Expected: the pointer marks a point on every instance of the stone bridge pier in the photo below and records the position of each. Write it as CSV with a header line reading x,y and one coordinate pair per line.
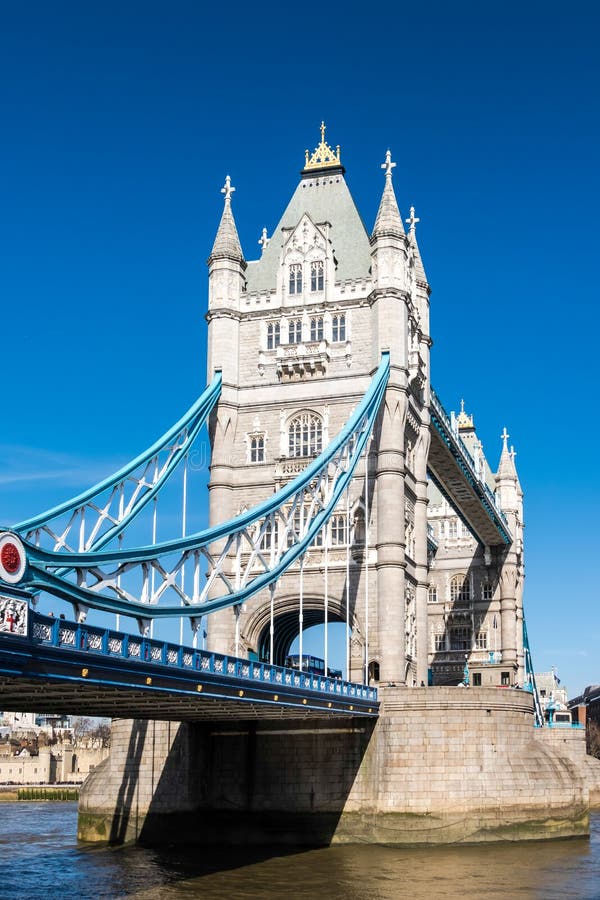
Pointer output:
x,y
440,765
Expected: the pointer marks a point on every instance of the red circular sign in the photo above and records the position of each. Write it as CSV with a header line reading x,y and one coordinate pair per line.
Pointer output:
x,y
10,557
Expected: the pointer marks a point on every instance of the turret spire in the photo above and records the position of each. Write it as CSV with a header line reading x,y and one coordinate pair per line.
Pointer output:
x,y
419,269
412,220
227,243
264,240
506,466
389,220
323,157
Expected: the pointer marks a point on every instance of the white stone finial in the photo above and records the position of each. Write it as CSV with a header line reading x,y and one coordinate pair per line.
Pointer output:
x,y
264,240
227,189
388,165
505,436
412,219
513,453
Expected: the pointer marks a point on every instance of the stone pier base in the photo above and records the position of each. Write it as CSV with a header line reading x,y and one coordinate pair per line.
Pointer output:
x,y
441,765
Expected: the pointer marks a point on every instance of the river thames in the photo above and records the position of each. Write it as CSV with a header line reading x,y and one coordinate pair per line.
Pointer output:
x,y
40,858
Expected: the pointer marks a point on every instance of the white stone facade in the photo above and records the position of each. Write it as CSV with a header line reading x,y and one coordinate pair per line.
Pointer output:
x,y
298,335
475,595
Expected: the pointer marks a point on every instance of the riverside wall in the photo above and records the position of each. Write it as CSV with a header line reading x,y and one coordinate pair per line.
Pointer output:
x,y
440,765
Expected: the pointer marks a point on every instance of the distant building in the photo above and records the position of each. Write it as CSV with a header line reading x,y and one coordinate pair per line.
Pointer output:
x,y
553,698
62,763
586,707
468,619
20,720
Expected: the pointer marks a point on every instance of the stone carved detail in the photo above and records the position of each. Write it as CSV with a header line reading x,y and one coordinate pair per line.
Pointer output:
x,y
410,621
94,641
412,421
13,616
66,636
42,632
356,648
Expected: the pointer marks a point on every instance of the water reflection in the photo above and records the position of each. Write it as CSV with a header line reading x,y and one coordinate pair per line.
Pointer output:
x,y
40,857
562,869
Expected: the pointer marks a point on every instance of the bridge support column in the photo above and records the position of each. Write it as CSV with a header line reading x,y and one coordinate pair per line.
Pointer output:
x,y
221,625
391,603
421,556
508,616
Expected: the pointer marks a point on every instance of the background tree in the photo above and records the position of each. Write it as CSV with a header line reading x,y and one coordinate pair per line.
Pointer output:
x,y
593,738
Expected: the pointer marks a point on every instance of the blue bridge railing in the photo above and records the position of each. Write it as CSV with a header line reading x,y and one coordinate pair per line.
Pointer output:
x,y
108,643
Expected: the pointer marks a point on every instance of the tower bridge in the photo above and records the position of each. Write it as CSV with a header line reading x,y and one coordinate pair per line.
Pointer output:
x,y
340,491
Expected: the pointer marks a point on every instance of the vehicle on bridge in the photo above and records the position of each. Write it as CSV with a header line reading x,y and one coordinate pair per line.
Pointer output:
x,y
312,664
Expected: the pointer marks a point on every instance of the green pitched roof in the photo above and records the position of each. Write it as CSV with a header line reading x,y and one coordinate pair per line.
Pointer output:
x,y
325,198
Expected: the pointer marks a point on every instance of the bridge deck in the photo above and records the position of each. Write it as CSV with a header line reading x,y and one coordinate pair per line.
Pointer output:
x,y
63,667
452,469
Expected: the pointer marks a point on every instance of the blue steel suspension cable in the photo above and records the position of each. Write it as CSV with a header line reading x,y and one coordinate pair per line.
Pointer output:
x,y
352,437
190,425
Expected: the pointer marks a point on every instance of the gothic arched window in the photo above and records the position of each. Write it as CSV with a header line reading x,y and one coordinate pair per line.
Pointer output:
x,y
295,286
359,526
273,335
305,435
460,589
338,328
316,328
316,275
269,536
373,671
295,331
338,529
432,593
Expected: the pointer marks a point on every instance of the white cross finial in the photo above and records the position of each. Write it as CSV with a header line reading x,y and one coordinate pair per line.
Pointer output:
x,y
227,190
513,452
462,403
388,165
505,436
264,240
412,219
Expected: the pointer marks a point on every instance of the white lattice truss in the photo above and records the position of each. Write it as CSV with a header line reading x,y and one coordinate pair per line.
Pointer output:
x,y
219,567
94,518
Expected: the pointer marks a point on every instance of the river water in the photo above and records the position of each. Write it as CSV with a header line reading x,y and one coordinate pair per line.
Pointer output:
x,y
40,859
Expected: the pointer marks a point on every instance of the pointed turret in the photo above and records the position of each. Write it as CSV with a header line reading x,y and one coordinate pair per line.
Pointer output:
x,y
419,269
227,243
506,466
508,489
389,220
226,282
389,250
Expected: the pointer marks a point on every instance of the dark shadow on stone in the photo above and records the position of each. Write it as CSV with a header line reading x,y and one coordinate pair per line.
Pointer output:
x,y
447,665
270,783
125,797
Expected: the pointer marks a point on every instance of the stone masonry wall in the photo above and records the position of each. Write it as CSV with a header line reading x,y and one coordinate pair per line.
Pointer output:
x,y
571,742
440,765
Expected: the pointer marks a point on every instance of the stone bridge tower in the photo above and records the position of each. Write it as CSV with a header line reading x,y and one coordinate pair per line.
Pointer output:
x,y
298,335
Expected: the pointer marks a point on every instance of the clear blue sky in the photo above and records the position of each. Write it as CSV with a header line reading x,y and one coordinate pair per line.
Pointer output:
x,y
119,124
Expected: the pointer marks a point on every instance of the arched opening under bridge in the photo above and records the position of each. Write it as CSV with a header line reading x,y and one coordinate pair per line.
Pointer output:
x,y
286,630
